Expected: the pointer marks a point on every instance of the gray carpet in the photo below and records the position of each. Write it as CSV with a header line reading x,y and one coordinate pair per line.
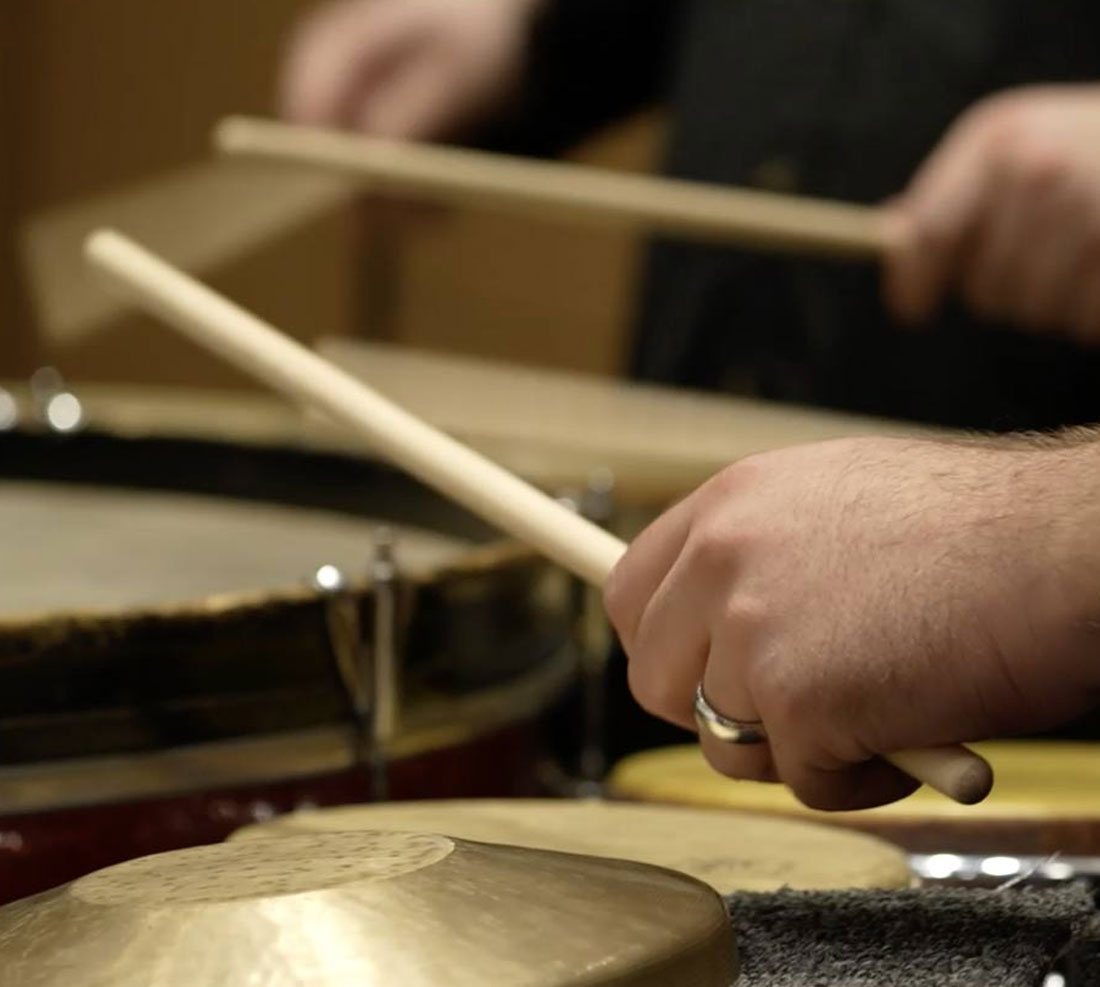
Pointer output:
x,y
940,937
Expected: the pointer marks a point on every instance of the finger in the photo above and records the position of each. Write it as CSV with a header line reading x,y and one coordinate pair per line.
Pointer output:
x,y
992,274
931,222
844,789
414,104
673,638
643,568
1048,283
726,687
339,58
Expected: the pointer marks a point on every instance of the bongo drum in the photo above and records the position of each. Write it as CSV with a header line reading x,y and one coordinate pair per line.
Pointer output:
x,y
1046,799
371,910
169,670
730,851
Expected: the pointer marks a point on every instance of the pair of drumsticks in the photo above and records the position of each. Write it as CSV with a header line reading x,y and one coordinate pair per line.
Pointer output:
x,y
458,472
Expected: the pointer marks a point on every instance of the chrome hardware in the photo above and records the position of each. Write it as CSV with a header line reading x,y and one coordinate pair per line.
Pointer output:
x,y
54,404
1003,870
386,674
9,411
346,641
369,672
591,639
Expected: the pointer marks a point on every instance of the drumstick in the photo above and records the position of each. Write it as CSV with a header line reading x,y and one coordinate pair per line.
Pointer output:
x,y
483,487
710,212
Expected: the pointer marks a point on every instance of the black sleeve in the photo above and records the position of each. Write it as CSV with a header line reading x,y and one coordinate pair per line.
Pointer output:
x,y
590,61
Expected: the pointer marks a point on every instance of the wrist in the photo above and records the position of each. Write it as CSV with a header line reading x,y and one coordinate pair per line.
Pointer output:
x,y
1066,513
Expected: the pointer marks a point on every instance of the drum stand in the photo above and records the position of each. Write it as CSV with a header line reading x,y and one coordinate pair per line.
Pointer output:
x,y
369,673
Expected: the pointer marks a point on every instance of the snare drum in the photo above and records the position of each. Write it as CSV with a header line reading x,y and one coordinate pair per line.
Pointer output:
x,y
1046,799
169,670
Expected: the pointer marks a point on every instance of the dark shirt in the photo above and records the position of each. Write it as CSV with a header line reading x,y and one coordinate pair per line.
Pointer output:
x,y
834,98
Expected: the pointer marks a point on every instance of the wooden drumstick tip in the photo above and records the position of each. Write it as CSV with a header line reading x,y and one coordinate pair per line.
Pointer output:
x,y
956,772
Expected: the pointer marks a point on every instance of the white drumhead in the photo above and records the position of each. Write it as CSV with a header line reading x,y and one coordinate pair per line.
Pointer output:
x,y
87,549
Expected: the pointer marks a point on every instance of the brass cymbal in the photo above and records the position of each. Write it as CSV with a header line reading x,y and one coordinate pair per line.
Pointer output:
x,y
730,851
368,909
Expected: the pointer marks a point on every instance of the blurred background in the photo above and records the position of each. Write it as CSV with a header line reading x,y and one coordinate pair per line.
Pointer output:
x,y
106,110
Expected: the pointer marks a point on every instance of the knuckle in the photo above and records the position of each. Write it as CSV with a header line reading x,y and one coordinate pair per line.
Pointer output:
x,y
934,235
1041,165
732,480
1001,118
747,615
653,687
790,699
710,549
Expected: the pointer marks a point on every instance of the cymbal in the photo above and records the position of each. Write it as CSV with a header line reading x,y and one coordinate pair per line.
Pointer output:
x,y
557,428
730,851
369,909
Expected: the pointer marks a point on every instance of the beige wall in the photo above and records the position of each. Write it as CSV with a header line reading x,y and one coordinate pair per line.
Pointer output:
x,y
557,294
104,94
114,92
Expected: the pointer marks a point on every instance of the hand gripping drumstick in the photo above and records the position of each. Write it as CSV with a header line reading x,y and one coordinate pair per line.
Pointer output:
x,y
483,487
764,220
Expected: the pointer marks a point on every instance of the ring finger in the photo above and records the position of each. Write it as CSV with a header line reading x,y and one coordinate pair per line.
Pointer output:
x,y
726,690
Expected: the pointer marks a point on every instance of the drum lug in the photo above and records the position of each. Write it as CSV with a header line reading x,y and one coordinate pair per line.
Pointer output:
x,y
369,670
591,636
384,664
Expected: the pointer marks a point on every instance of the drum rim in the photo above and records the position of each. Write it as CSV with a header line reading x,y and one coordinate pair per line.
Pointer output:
x,y
429,725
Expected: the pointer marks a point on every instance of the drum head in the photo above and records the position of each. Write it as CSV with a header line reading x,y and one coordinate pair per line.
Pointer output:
x,y
99,550
1034,780
729,851
1046,798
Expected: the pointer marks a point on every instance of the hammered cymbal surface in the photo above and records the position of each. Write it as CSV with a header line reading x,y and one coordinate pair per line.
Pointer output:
x,y
367,909
730,851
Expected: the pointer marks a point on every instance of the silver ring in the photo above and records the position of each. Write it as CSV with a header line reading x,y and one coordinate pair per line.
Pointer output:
x,y
722,727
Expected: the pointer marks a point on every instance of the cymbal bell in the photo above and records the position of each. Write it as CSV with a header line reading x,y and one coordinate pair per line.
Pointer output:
x,y
368,909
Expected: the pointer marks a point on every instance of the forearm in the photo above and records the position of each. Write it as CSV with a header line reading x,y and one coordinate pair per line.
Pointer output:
x,y
1069,480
